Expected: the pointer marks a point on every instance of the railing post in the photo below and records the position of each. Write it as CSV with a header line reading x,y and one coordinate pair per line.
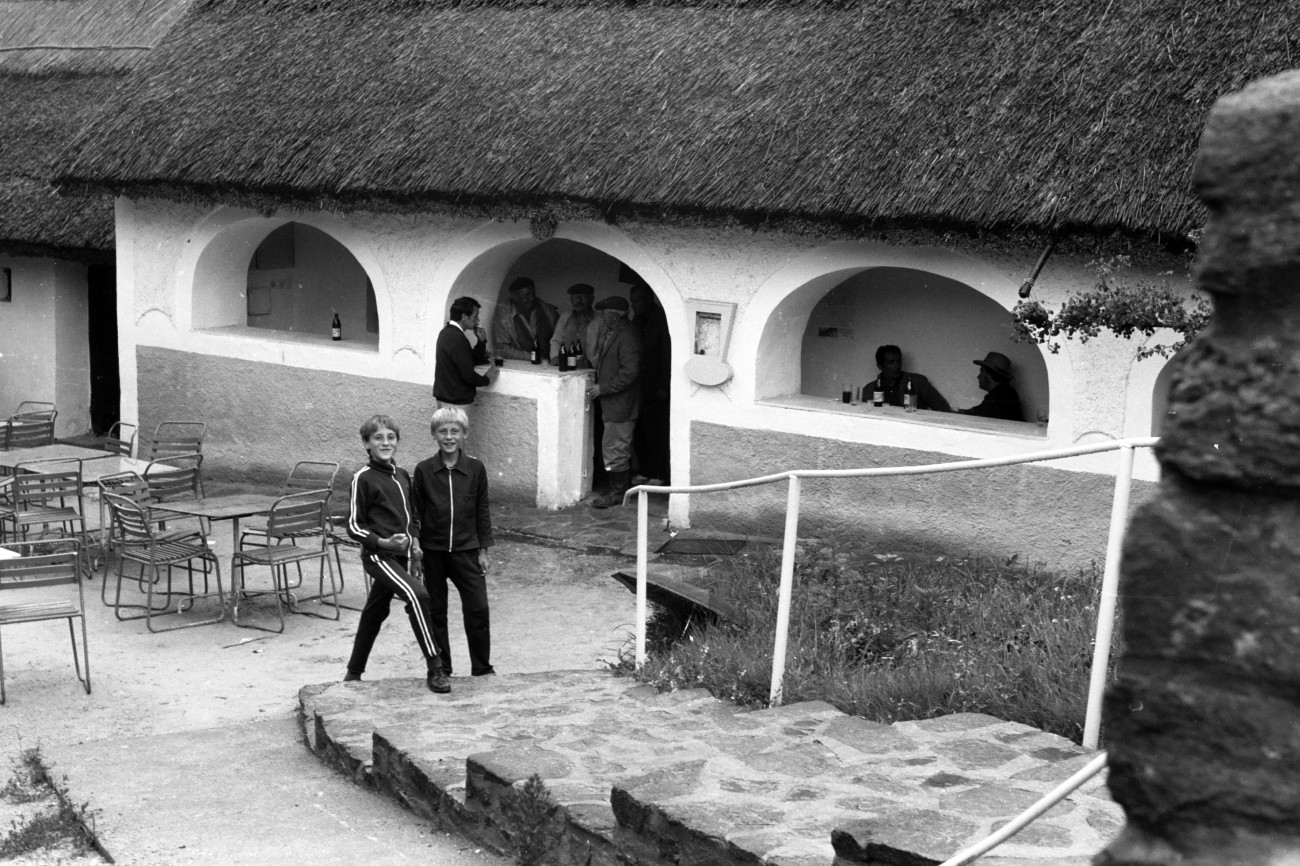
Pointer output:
x,y
787,584
1109,597
642,557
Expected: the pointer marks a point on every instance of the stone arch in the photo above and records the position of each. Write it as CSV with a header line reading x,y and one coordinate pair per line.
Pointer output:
x,y
769,342
212,276
478,264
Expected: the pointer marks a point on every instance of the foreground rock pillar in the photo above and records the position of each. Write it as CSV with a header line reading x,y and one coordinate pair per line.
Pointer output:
x,y
1203,722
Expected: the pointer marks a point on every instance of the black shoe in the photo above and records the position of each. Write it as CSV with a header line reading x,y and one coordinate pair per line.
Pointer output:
x,y
438,682
351,677
487,673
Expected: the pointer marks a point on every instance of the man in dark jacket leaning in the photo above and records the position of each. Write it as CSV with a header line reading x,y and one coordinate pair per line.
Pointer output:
x,y
616,357
455,380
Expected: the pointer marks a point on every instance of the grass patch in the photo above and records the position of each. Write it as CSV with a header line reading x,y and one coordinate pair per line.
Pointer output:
x,y
60,825
893,638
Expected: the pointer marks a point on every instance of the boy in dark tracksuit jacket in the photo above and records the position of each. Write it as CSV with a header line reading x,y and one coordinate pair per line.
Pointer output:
x,y
380,517
450,494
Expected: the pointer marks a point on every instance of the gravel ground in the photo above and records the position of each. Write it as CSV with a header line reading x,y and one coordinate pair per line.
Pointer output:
x,y
552,609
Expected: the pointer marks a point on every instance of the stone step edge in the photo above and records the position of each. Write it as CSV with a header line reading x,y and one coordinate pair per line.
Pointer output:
x,y
490,809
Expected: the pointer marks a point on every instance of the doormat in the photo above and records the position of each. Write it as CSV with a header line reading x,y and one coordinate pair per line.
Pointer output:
x,y
703,546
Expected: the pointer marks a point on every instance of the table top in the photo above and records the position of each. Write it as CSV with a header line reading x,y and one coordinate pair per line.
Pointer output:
x,y
57,451
222,507
93,469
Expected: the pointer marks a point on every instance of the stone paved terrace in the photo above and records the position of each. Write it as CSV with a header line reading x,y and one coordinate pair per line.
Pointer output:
x,y
684,778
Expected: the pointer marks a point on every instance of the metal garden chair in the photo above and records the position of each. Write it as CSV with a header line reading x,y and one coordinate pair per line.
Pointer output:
x,y
28,431
45,572
47,499
137,540
173,438
121,439
296,532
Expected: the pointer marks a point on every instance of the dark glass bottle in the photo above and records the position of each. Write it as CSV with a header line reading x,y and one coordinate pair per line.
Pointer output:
x,y
336,327
564,356
535,356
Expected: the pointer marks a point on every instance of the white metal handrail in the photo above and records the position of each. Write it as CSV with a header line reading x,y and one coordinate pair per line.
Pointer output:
x,y
1110,575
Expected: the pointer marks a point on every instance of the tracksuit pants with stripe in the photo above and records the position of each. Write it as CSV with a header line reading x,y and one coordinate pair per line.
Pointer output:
x,y
388,579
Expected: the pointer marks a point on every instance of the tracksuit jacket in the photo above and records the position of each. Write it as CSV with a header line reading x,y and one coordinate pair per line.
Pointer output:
x,y
452,504
380,505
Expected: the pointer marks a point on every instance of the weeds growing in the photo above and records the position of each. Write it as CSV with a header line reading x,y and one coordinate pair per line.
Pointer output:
x,y
61,826
894,638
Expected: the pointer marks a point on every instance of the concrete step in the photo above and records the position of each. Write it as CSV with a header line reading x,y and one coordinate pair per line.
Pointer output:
x,y
682,777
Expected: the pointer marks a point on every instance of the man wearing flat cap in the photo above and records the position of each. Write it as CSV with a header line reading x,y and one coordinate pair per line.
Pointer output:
x,y
616,357
523,322
1002,400
572,325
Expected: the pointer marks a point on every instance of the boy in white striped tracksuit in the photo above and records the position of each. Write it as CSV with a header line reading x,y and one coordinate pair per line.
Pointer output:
x,y
380,517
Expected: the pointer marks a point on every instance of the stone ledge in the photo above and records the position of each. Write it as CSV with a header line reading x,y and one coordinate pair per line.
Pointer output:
x,y
645,778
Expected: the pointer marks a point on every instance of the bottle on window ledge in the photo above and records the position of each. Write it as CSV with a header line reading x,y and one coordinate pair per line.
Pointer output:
x,y
564,356
573,355
909,397
878,395
535,356
336,327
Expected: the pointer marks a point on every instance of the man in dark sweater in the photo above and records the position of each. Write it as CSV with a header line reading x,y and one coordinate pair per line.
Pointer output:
x,y
455,380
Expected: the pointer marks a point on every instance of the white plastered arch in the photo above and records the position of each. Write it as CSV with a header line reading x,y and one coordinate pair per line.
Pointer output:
x,y
211,276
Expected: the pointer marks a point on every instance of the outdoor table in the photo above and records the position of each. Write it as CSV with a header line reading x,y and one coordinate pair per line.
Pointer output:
x,y
100,466
57,451
232,507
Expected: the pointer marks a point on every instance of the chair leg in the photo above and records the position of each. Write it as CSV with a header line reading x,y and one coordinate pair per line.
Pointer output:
x,y
237,590
320,596
76,659
188,602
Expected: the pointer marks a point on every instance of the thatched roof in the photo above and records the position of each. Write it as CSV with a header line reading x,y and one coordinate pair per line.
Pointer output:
x,y
60,62
1032,114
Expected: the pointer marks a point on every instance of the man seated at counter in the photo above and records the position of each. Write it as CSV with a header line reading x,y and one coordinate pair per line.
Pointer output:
x,y
1002,400
523,323
896,383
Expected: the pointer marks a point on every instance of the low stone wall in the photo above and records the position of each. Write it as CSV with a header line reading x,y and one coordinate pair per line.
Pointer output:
x,y
1043,515
262,418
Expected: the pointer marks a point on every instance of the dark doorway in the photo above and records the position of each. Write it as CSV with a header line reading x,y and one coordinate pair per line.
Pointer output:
x,y
105,384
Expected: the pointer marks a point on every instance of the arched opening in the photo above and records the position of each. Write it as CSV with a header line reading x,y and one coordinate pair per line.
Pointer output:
x,y
555,265
301,280
941,324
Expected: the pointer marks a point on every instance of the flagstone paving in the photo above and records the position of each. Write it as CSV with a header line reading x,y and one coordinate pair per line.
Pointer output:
x,y
685,778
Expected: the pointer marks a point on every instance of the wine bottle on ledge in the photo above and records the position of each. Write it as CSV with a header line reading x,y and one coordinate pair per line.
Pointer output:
x,y
336,327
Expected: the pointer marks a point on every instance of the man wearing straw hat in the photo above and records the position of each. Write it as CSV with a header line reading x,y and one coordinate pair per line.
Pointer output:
x,y
1002,400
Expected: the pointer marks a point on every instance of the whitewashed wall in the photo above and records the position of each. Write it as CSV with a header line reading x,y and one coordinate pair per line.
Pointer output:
x,y
44,353
182,271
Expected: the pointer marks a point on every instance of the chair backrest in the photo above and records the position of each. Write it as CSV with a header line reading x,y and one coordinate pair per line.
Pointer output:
x,y
312,475
298,514
177,437
126,484
175,477
132,521
50,562
36,407
29,431
121,439
61,488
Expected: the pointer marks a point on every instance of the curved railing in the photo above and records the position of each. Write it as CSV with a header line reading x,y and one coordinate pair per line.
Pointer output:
x,y
1110,575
